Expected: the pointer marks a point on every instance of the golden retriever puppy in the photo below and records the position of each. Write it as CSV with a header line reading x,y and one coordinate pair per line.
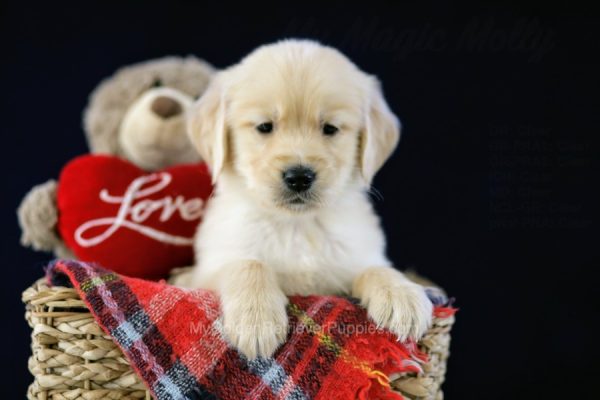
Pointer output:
x,y
293,135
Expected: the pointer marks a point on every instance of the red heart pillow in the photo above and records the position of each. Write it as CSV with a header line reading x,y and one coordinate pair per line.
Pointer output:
x,y
136,223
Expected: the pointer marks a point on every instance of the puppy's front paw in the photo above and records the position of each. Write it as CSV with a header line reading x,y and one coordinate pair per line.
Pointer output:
x,y
258,325
398,305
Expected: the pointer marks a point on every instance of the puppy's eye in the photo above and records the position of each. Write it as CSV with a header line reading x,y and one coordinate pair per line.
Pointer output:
x,y
157,83
329,129
265,127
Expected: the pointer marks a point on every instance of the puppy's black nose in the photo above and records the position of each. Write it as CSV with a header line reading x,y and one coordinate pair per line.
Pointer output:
x,y
299,178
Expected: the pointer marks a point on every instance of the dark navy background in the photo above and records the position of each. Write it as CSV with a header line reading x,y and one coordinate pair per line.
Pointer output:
x,y
490,193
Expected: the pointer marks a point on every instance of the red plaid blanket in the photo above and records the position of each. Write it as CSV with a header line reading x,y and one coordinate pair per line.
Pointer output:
x,y
171,337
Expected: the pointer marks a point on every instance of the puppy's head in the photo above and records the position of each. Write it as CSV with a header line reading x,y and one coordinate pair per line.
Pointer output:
x,y
297,123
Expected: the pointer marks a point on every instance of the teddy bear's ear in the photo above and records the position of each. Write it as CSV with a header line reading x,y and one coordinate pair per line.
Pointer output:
x,y
207,127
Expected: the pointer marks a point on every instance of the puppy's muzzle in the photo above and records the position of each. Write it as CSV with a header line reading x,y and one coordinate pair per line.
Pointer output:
x,y
299,178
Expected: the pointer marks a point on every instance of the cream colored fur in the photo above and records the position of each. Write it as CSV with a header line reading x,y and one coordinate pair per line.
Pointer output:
x,y
254,246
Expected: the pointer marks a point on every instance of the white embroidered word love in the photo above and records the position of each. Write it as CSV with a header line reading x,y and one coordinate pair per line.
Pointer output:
x,y
132,214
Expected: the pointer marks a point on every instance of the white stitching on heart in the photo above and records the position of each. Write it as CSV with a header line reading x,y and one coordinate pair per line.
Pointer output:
x,y
189,210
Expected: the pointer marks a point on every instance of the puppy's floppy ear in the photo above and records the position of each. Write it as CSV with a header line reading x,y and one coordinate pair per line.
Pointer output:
x,y
207,127
380,133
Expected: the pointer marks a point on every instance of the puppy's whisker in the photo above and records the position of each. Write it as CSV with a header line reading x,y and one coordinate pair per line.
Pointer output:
x,y
375,193
316,198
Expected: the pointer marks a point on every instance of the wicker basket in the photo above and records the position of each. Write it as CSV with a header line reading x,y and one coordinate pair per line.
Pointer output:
x,y
72,358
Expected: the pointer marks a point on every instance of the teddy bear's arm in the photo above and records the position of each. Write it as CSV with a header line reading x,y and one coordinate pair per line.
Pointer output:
x,y
38,216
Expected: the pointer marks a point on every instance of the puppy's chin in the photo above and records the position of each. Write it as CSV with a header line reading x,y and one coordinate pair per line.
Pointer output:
x,y
298,202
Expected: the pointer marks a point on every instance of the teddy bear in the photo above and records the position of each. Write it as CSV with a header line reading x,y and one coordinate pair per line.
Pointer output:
x,y
137,114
